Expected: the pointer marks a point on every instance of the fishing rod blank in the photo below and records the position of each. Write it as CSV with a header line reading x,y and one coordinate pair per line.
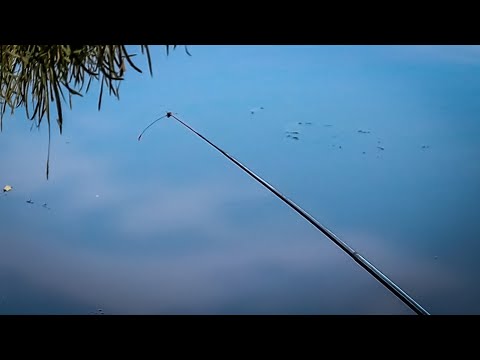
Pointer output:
x,y
358,258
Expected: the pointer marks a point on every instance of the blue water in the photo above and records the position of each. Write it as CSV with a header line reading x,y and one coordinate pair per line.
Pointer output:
x,y
168,225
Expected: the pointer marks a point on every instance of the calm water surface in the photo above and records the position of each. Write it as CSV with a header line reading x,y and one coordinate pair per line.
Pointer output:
x,y
379,143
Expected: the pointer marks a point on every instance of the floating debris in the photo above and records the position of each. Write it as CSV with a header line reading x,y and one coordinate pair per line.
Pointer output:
x,y
292,132
45,206
294,137
363,132
308,123
97,312
7,188
328,125
339,146
425,146
363,152
254,110
30,201
300,123
381,148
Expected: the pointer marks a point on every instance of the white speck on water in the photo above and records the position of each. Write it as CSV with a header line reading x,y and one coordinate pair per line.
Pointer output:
x,y
97,196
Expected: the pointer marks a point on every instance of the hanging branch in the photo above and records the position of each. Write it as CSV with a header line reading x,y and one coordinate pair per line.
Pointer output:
x,y
33,76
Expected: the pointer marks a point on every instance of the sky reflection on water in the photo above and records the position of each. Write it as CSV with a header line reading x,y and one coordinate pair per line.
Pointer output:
x,y
167,225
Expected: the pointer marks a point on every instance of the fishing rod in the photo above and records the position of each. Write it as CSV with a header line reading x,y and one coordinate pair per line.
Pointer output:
x,y
357,257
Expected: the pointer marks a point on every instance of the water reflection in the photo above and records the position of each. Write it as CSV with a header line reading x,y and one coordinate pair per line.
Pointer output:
x,y
215,244
384,158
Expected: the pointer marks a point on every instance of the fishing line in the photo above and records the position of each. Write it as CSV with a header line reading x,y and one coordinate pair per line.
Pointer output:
x,y
357,257
153,122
